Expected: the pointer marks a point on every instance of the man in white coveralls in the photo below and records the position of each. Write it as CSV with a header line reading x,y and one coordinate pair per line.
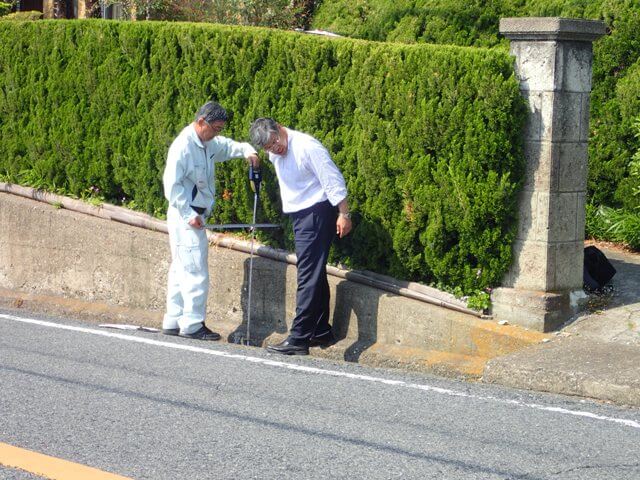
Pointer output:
x,y
189,186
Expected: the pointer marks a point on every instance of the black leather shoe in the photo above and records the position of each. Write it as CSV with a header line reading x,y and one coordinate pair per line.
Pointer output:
x,y
285,348
202,334
324,341
171,331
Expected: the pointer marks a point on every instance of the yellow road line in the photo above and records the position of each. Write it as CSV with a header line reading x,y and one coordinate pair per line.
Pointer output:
x,y
50,467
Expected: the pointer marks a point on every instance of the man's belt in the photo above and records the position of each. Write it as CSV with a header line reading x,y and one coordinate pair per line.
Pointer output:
x,y
199,210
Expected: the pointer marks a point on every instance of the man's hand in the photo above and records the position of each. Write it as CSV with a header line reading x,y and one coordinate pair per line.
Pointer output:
x,y
343,226
196,222
254,160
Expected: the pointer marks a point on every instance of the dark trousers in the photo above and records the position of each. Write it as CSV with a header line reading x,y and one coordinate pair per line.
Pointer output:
x,y
314,229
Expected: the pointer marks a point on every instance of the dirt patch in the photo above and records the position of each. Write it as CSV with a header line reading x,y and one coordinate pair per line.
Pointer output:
x,y
618,247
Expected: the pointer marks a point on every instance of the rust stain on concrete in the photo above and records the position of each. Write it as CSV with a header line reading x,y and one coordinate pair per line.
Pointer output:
x,y
492,340
433,360
85,310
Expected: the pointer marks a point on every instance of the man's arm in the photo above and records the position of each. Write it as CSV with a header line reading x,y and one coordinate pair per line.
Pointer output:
x,y
228,149
318,160
333,184
343,223
172,181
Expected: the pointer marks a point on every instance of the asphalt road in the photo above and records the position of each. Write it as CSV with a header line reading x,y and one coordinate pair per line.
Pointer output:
x,y
147,406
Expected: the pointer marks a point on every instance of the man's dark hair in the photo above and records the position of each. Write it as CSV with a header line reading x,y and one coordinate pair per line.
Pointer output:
x,y
212,112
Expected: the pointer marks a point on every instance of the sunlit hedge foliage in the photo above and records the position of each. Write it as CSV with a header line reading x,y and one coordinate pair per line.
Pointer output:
x,y
428,137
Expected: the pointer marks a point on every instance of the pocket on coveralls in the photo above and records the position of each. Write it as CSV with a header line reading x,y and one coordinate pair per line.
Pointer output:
x,y
189,245
200,174
190,258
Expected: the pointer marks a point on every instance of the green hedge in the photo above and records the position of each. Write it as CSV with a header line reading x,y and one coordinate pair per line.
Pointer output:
x,y
4,8
620,225
456,22
428,137
30,15
616,78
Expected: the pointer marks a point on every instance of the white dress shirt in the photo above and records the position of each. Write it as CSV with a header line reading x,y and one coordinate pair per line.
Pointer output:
x,y
190,163
306,174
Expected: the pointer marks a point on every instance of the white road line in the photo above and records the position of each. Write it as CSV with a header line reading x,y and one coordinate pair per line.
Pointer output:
x,y
321,371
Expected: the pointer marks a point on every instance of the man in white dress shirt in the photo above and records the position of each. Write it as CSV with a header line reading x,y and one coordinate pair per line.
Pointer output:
x,y
314,194
189,186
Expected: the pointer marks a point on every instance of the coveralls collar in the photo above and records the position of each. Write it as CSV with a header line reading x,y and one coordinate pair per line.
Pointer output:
x,y
194,136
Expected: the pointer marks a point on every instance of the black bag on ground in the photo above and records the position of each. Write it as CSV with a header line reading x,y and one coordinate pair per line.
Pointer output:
x,y
598,271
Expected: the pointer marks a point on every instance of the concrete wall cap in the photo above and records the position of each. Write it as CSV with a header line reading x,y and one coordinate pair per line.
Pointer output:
x,y
552,28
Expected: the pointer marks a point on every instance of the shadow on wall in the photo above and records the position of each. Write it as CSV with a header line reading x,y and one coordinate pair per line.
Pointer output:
x,y
268,301
355,313
353,300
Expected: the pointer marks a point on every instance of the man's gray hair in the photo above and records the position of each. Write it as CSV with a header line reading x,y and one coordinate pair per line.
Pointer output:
x,y
212,112
261,131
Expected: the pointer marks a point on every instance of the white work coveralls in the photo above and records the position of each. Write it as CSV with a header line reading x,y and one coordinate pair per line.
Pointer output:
x,y
189,180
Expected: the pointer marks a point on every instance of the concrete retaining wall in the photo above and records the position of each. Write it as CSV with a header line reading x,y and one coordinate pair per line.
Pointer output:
x,y
54,259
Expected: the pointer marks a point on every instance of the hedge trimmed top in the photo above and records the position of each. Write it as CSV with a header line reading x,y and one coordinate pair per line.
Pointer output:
x,y
428,137
615,100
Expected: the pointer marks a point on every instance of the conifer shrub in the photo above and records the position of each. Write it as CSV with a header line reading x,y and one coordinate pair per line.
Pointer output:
x,y
616,86
455,22
428,138
30,15
4,8
620,224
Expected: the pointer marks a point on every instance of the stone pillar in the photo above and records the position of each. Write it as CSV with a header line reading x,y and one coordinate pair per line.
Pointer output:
x,y
47,9
82,9
553,62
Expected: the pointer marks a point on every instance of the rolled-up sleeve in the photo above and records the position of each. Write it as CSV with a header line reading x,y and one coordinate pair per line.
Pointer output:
x,y
328,174
226,149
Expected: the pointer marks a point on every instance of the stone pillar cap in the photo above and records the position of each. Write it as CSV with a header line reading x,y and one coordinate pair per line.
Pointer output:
x,y
552,28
